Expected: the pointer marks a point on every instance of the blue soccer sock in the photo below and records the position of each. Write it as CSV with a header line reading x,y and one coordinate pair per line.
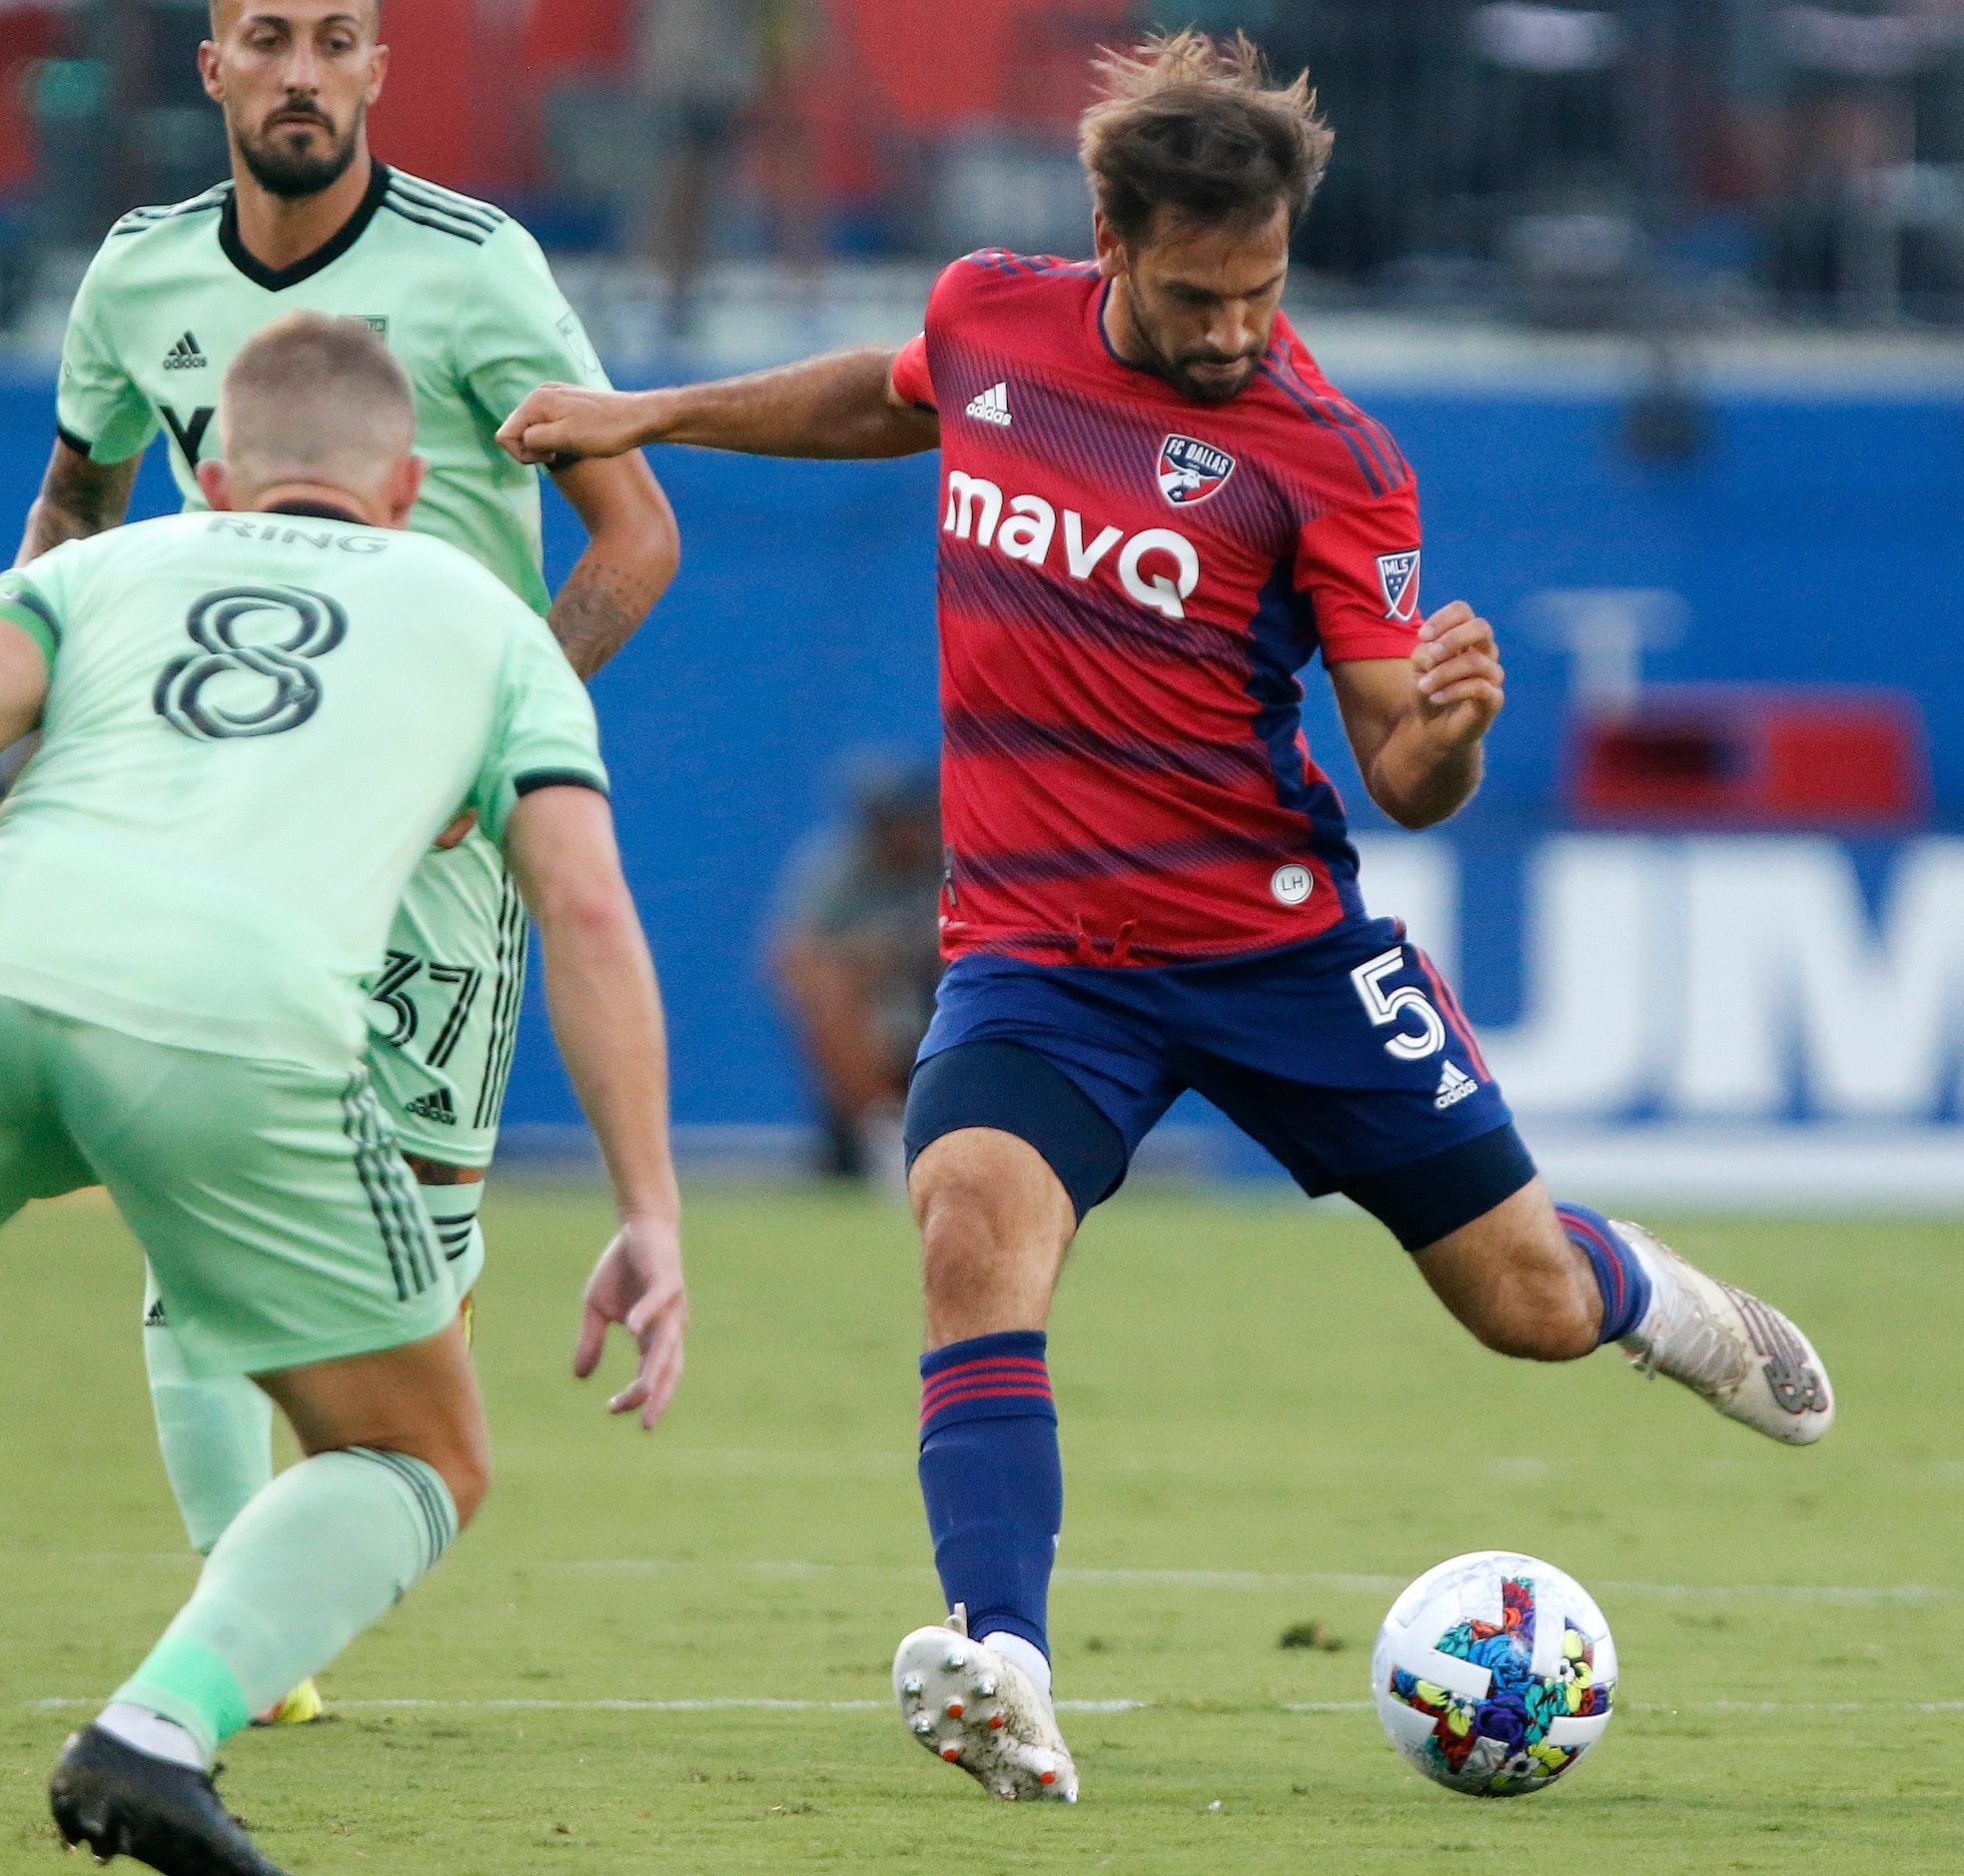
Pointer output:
x,y
1624,1282
992,1481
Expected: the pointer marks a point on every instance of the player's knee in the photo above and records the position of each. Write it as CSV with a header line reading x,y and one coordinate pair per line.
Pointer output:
x,y
995,1225
969,1192
960,1238
460,1454
467,1470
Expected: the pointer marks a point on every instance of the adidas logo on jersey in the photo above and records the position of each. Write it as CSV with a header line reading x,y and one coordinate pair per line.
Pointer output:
x,y
992,407
185,356
157,1318
435,1106
1454,1085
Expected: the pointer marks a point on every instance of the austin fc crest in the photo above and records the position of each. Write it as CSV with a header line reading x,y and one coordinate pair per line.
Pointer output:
x,y
1190,471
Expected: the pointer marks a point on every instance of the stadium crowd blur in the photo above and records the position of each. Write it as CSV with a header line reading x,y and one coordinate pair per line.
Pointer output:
x,y
853,947
1736,158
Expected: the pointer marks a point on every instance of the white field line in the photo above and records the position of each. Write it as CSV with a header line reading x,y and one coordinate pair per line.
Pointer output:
x,y
630,1706
1063,1706
1336,1582
1347,1584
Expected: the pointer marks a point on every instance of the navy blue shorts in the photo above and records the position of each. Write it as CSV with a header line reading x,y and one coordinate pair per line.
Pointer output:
x,y
1347,1058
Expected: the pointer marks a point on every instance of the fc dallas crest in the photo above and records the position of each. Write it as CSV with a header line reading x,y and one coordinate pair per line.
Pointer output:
x,y
1190,471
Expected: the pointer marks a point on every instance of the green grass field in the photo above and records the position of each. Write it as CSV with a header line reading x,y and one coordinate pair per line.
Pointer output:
x,y
1265,1422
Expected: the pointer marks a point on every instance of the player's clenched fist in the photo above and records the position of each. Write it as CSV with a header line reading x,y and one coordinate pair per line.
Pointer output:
x,y
563,422
1461,683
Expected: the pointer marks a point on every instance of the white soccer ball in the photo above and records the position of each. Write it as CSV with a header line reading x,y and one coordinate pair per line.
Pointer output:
x,y
1494,1673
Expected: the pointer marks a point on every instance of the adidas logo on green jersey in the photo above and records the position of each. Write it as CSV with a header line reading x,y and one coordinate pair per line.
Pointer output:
x,y
185,356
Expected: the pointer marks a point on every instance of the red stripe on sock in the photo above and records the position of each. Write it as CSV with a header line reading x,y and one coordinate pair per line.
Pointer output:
x,y
931,1411
967,1374
1611,1252
1025,1362
935,1399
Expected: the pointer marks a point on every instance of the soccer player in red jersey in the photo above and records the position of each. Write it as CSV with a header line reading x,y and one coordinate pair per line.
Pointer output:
x,y
1155,511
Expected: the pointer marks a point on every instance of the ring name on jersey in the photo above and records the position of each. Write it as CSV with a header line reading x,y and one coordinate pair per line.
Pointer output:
x,y
289,533
1157,566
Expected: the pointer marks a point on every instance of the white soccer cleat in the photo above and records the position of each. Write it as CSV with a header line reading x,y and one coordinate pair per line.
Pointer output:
x,y
1732,1349
967,1704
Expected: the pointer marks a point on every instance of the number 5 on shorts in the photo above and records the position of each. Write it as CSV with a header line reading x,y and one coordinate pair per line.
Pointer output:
x,y
1385,1007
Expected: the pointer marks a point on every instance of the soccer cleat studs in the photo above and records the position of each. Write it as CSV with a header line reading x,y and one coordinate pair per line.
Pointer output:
x,y
973,1708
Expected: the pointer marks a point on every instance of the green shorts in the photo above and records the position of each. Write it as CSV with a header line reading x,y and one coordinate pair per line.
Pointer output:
x,y
280,1222
444,1016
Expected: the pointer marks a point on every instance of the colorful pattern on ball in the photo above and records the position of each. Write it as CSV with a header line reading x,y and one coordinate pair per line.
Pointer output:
x,y
1514,1716
1523,1729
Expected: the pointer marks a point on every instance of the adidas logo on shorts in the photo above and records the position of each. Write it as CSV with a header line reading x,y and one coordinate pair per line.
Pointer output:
x,y
436,1107
1454,1085
992,407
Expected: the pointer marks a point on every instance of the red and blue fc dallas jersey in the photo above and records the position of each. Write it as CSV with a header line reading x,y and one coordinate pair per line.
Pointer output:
x,y
1129,582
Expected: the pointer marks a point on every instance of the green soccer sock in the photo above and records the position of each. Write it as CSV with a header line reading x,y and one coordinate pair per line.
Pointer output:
x,y
216,1436
453,1216
322,1553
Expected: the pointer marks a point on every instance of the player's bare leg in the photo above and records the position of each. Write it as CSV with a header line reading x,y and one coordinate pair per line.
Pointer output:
x,y
305,1706
996,1225
397,1463
1514,1280
420,1402
1533,1281
215,1434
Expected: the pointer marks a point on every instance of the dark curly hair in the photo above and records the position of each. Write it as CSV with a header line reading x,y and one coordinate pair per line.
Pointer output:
x,y
1199,128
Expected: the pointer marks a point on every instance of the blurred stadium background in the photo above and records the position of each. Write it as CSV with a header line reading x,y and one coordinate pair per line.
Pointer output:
x,y
1664,299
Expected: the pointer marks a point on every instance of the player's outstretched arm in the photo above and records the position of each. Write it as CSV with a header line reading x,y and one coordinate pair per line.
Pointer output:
x,y
1418,725
78,497
606,1014
841,406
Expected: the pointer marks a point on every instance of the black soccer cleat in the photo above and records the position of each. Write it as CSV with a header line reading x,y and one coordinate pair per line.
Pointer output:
x,y
118,1801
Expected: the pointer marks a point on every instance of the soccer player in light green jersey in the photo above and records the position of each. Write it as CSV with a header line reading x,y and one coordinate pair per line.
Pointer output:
x,y
255,722
464,298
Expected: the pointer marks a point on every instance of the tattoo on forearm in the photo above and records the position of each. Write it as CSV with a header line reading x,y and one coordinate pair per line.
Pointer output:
x,y
597,612
78,498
